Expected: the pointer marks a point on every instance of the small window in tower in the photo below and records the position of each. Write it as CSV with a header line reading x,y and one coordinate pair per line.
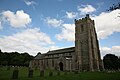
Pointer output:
x,y
35,64
82,28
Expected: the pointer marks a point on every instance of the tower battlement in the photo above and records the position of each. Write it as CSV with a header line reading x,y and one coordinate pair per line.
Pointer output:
x,y
84,19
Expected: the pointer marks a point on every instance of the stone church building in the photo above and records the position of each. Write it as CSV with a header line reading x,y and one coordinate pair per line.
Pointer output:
x,y
85,56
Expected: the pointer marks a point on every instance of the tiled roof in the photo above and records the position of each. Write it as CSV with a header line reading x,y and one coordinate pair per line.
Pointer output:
x,y
39,56
59,51
65,50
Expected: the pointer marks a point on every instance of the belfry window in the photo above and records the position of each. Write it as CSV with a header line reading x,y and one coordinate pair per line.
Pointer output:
x,y
47,62
82,28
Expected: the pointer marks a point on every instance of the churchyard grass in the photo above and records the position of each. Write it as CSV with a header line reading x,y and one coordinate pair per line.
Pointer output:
x,y
23,75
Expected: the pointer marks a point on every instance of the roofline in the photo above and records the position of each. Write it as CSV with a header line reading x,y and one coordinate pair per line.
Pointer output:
x,y
62,49
48,53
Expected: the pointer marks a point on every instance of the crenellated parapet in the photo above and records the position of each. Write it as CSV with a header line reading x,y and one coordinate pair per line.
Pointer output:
x,y
87,18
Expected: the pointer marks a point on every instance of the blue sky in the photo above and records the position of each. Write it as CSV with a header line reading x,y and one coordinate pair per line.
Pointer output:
x,y
41,25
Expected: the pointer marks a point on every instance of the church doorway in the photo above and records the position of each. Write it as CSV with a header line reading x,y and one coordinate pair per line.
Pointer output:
x,y
61,66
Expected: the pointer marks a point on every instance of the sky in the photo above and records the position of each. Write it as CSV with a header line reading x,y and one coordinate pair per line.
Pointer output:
x,y
34,26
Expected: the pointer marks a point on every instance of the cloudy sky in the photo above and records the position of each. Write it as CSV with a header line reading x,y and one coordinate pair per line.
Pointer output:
x,y
41,25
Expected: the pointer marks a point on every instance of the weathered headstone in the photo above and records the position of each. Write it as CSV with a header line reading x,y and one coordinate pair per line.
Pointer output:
x,y
50,73
41,73
30,74
15,73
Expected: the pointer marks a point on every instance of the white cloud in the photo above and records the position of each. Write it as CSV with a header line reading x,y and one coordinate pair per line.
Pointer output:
x,y
68,33
1,21
18,19
30,40
53,22
113,50
53,48
107,23
71,15
85,9
30,3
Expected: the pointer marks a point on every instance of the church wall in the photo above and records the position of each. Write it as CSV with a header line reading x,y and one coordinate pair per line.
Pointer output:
x,y
52,61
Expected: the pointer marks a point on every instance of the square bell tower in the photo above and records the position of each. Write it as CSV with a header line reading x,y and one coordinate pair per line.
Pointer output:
x,y
87,54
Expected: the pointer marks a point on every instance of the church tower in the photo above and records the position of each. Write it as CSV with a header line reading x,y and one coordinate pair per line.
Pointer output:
x,y
87,54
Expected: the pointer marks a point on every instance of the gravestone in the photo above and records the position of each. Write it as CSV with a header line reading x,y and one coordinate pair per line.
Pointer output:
x,y
41,73
15,73
30,74
50,73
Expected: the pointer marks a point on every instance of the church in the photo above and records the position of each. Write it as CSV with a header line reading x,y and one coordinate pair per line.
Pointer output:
x,y
85,56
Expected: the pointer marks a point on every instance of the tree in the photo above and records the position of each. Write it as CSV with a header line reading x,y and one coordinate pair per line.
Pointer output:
x,y
114,7
119,62
111,62
0,51
15,59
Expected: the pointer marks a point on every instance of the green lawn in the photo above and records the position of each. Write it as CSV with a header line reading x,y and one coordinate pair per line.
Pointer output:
x,y
23,75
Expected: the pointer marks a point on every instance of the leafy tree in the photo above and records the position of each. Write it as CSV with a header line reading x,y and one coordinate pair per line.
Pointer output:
x,y
111,62
119,62
15,59
114,7
0,51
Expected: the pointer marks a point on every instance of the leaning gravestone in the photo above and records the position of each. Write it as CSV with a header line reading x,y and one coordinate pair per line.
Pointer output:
x,y
41,73
15,73
30,74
